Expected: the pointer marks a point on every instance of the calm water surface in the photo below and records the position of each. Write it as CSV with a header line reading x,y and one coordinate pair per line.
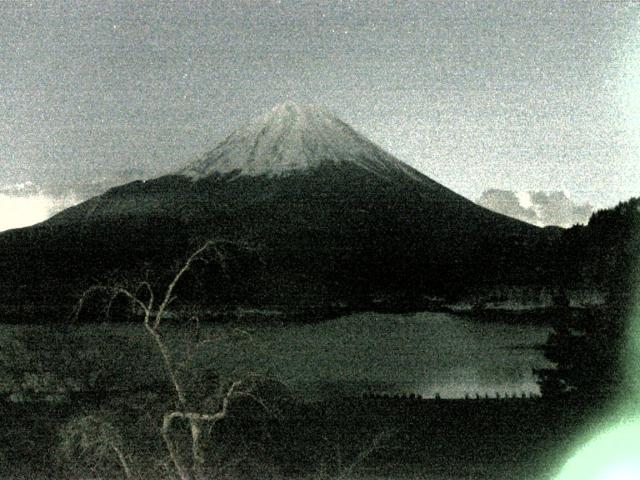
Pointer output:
x,y
424,353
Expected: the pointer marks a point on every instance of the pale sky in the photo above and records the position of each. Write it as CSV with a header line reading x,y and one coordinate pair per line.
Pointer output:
x,y
519,96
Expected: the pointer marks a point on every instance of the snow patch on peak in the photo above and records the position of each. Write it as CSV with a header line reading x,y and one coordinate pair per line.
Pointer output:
x,y
289,109
293,137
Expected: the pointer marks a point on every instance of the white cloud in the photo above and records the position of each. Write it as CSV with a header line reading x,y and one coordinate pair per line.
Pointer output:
x,y
537,207
525,199
26,203
19,210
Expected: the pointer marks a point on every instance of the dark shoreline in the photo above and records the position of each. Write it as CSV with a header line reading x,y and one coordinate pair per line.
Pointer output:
x,y
539,316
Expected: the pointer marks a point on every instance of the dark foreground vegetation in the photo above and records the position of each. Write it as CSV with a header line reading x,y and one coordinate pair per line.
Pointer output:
x,y
369,437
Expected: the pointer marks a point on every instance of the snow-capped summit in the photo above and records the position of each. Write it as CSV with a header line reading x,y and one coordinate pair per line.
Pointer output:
x,y
292,137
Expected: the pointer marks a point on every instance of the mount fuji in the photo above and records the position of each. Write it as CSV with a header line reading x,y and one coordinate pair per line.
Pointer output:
x,y
293,138
336,221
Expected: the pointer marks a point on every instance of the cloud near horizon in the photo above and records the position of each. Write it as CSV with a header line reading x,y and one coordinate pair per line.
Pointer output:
x,y
537,207
27,203
24,207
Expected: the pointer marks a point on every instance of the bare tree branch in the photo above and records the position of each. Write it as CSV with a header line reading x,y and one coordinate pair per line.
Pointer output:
x,y
195,423
168,297
152,322
374,445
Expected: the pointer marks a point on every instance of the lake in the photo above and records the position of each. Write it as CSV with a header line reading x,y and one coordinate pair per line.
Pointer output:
x,y
424,353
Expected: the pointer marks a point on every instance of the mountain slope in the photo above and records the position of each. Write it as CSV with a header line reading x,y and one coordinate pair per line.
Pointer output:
x,y
336,220
293,138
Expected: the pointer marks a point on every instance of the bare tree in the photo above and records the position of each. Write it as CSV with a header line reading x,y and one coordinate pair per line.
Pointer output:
x,y
154,309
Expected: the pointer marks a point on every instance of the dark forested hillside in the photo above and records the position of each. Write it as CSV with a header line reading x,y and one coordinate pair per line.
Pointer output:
x,y
605,253
588,351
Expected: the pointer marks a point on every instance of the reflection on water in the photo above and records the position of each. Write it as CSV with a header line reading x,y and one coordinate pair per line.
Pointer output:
x,y
424,353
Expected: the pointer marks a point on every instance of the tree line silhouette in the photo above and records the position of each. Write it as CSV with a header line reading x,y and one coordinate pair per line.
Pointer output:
x,y
587,349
